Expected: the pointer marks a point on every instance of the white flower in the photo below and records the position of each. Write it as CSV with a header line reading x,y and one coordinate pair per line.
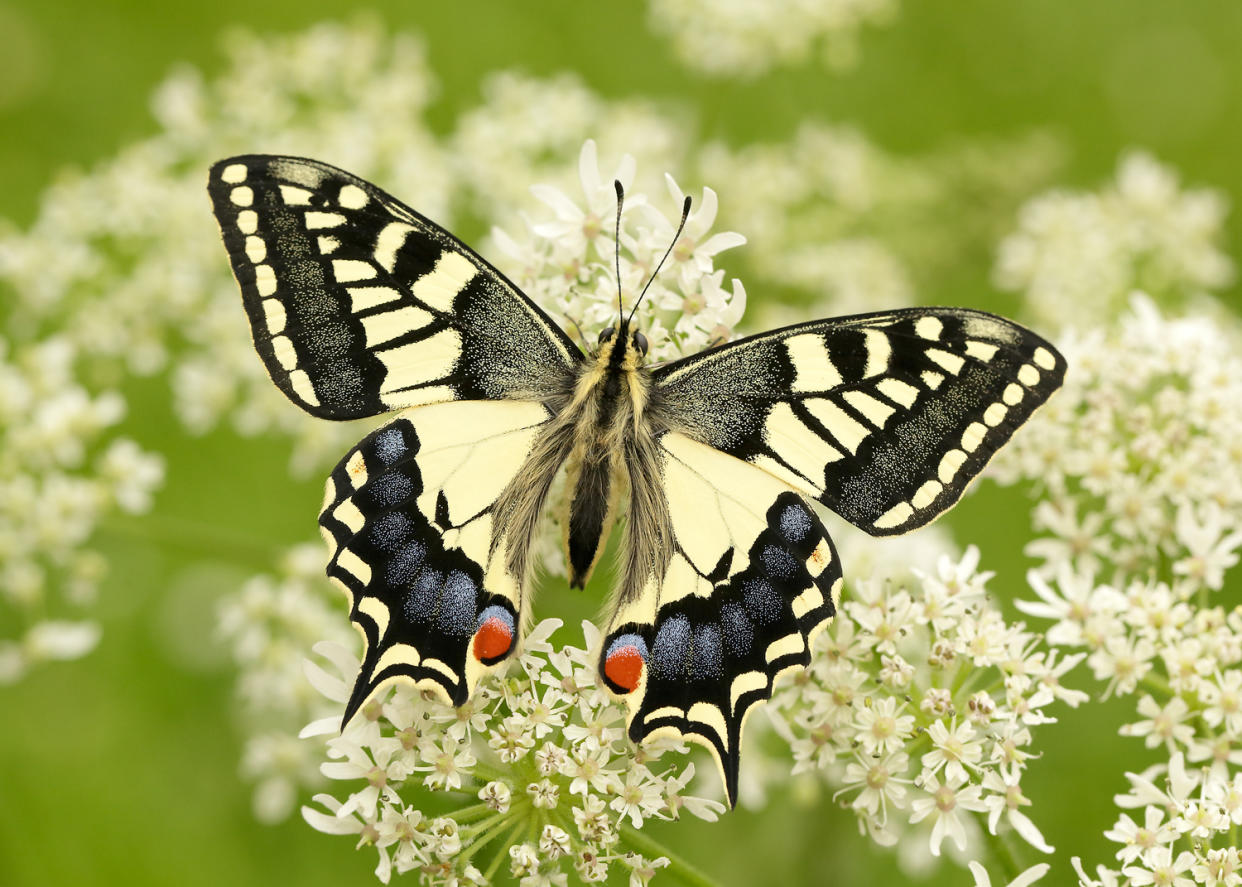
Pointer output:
x,y
1162,724
1078,255
946,803
1136,839
746,38
954,747
1161,868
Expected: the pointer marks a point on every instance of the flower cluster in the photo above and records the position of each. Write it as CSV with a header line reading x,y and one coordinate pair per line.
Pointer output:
x,y
529,130
1076,256
1139,457
831,214
568,262
745,38
1139,465
270,625
919,707
61,476
535,771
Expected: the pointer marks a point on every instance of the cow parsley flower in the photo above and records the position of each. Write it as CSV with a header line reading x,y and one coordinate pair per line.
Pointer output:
x,y
269,625
63,475
745,38
831,214
577,783
1079,254
939,741
1140,529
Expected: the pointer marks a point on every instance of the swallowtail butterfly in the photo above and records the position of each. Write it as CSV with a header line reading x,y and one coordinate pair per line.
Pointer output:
x,y
360,306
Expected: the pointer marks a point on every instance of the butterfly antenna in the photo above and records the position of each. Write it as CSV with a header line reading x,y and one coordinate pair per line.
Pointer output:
x,y
620,203
685,214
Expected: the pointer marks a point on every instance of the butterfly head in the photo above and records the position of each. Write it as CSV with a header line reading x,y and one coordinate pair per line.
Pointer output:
x,y
623,347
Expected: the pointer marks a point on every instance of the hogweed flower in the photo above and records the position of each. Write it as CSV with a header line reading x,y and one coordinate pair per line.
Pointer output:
x,y
1141,525
919,707
62,477
540,752
1076,256
269,625
829,212
743,38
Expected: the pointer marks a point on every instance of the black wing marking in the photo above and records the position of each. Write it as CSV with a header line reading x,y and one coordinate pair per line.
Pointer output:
x,y
410,517
752,578
885,418
359,305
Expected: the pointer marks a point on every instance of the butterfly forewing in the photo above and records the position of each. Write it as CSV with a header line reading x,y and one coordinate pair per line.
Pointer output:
x,y
885,418
358,305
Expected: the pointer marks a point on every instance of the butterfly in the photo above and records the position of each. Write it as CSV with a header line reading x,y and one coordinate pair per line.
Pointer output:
x,y
360,306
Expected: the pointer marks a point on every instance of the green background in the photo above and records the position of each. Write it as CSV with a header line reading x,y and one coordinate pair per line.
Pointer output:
x,y
121,768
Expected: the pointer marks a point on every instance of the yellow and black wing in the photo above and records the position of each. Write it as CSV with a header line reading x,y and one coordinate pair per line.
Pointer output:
x,y
885,418
359,305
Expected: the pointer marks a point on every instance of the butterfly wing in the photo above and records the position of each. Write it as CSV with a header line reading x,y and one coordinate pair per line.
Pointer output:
x,y
359,305
885,418
749,578
423,543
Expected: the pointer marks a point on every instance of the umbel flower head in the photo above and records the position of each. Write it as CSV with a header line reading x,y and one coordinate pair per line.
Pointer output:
x,y
61,475
1141,525
538,762
1076,256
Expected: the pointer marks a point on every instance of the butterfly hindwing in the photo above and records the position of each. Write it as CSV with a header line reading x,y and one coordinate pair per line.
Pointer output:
x,y
410,515
885,418
751,578
359,305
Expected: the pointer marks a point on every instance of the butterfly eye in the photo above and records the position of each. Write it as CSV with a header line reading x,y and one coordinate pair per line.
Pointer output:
x,y
607,334
640,342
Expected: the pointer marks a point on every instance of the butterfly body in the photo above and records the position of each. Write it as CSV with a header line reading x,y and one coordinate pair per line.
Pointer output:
x,y
358,306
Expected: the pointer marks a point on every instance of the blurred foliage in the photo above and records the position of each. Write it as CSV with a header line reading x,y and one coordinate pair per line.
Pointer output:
x,y
121,768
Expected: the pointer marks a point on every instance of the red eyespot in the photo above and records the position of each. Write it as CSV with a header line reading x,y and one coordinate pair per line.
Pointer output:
x,y
493,639
624,666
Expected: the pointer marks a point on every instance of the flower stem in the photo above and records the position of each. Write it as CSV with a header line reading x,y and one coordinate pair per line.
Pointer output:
x,y
501,853
682,870
487,833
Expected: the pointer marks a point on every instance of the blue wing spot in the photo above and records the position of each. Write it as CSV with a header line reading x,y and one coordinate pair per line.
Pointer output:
x,y
405,564
389,530
779,563
795,523
669,649
762,601
706,661
738,632
628,639
424,594
458,605
390,445
389,489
